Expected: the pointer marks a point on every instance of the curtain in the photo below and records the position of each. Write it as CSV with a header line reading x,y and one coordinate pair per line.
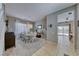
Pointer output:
x,y
21,28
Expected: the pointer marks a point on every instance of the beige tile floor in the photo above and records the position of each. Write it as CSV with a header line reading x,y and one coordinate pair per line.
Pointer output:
x,y
41,48
49,49
52,49
23,49
44,48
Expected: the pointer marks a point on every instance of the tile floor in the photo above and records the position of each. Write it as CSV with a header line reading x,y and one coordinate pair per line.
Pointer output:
x,y
39,48
49,49
23,49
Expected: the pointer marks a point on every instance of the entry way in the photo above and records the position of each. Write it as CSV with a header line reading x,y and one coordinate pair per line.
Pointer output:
x,y
66,38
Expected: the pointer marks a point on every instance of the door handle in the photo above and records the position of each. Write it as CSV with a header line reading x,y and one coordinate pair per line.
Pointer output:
x,y
70,37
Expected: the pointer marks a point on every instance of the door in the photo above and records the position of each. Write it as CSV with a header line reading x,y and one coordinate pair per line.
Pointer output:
x,y
65,38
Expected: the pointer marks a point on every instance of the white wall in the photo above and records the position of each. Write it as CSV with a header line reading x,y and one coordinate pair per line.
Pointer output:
x,y
52,32
43,23
2,29
52,19
38,23
77,41
11,24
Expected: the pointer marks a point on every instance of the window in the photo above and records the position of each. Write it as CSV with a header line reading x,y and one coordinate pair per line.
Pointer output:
x,y
39,26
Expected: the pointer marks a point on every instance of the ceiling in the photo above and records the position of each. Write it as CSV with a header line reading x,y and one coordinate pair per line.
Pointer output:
x,y
33,11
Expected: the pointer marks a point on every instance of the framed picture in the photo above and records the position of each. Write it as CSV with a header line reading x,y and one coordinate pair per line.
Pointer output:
x,y
50,25
39,26
78,23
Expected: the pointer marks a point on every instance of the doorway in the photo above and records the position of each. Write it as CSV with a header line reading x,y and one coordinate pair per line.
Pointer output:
x,y
66,37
